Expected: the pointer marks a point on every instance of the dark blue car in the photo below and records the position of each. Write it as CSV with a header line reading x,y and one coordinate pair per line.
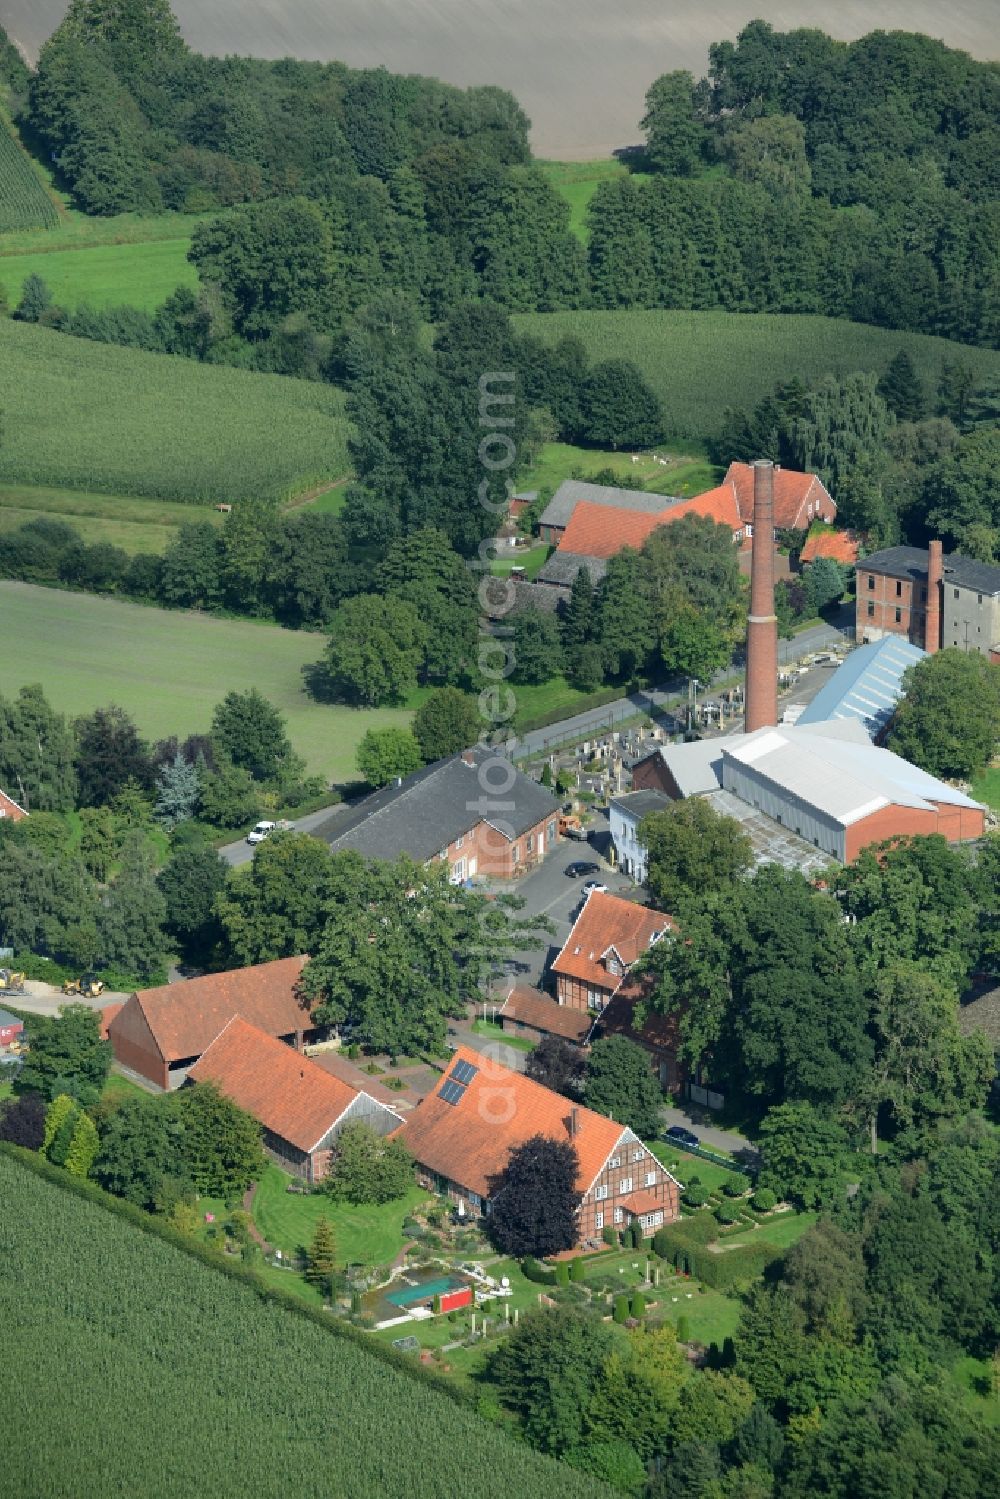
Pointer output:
x,y
682,1136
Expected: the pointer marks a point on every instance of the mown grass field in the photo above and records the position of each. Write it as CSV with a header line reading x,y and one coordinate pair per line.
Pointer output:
x,y
681,474
90,416
170,668
135,525
701,362
143,274
173,1379
578,181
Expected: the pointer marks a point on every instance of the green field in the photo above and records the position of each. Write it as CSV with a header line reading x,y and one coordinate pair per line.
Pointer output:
x,y
24,203
169,669
93,416
986,787
701,362
135,525
577,181
155,1376
364,1235
142,275
680,475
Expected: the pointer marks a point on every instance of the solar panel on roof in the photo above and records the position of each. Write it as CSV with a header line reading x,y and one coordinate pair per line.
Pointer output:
x,y
463,1072
451,1091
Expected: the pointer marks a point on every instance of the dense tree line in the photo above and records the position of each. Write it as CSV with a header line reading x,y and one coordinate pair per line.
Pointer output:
x,y
858,180
903,462
138,121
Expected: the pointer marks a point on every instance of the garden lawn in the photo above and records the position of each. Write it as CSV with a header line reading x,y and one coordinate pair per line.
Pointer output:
x,y
783,1230
170,668
712,1316
6,1086
135,525
364,1235
682,474
701,362
497,1033
142,275
685,1166
532,561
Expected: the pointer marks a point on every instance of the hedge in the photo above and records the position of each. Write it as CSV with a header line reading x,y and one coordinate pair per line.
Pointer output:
x,y
541,1276
735,1267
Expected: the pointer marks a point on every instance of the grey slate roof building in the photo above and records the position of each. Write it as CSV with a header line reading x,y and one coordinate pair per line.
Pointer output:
x,y
562,567
427,811
571,491
911,563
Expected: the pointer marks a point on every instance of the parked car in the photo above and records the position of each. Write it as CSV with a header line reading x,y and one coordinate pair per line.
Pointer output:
x,y
594,887
681,1135
260,832
579,868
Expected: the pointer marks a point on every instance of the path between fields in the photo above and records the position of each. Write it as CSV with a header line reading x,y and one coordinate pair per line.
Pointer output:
x,y
308,495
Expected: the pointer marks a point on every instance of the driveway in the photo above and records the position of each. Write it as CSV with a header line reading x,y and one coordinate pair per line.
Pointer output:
x,y
549,891
48,999
242,852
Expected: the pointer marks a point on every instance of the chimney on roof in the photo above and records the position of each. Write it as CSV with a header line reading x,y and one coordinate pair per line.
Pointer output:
x,y
574,1121
762,626
935,587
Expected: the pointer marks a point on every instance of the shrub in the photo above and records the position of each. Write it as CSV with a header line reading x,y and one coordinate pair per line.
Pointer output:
x,y
683,1330
695,1197
764,1200
608,1234
726,1214
562,1273
577,1270
538,1273
637,1306
621,1309
734,1186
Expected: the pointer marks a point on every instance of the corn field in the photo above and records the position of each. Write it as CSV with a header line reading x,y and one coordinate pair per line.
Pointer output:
x,y
103,418
129,1368
701,362
24,203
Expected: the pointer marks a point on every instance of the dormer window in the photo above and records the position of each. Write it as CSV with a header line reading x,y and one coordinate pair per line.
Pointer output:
x,y
614,964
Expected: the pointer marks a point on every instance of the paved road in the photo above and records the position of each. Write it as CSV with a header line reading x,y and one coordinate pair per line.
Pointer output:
x,y
242,852
698,1120
48,999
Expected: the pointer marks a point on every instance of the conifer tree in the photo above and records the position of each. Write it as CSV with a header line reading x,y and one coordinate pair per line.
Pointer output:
x,y
322,1255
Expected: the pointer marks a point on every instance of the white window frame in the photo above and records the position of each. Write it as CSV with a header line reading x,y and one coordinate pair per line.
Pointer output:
x,y
650,1179
600,1193
625,1186
615,1160
637,1155
459,841
619,1215
598,1221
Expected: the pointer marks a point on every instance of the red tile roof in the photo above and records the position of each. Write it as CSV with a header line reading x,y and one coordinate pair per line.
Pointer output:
x,y
793,493
185,1018
642,1202
606,922
602,531
842,546
107,1015
10,808
658,1032
470,1141
535,1009
283,1089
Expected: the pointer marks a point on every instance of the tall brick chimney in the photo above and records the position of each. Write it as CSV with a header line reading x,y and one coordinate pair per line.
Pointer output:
x,y
935,577
762,626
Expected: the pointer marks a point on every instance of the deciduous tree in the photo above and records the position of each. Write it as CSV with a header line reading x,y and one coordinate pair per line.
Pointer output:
x,y
620,1083
387,754
65,1055
250,732
446,721
375,650
368,1167
557,1064
691,849
948,722
535,1201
